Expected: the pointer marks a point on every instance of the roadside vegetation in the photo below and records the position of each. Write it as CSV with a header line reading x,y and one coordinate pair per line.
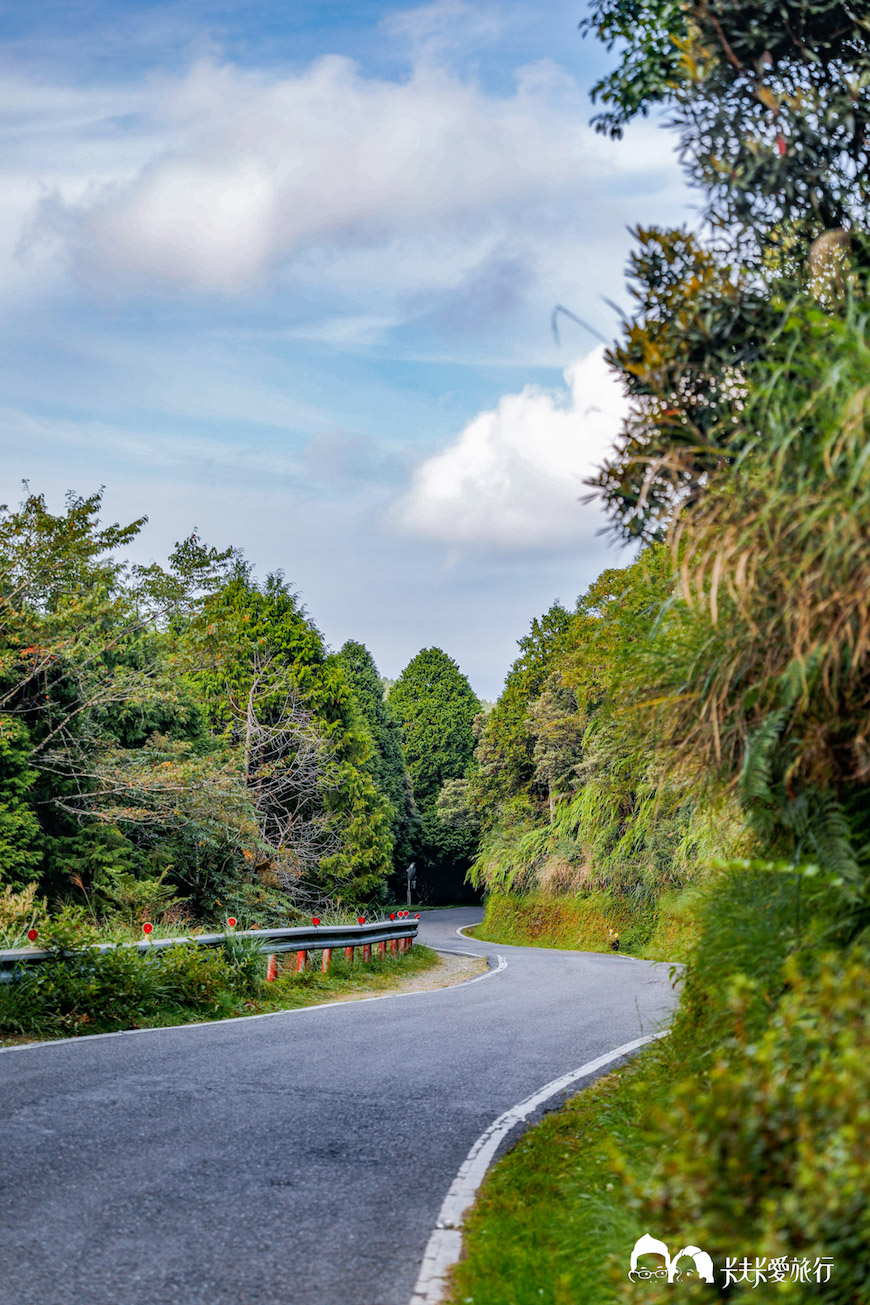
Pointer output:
x,y
695,732
663,928
178,746
80,991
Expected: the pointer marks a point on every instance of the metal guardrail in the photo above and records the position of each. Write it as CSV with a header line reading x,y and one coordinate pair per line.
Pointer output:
x,y
399,934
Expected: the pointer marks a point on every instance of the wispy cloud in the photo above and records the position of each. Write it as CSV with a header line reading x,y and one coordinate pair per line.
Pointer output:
x,y
232,173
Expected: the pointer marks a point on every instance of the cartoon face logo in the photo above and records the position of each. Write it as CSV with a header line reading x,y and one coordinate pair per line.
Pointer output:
x,y
700,1268
648,1245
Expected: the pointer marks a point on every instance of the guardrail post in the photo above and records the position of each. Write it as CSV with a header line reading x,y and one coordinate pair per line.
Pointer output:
x,y
367,951
348,955
301,961
271,967
394,946
382,948
327,957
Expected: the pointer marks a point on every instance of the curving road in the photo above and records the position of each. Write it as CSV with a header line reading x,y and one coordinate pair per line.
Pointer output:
x,y
301,1157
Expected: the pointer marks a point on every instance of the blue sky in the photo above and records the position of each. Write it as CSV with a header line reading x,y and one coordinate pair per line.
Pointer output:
x,y
285,273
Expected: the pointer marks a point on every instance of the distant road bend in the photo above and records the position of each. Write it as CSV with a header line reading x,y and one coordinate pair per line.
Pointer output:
x,y
300,1159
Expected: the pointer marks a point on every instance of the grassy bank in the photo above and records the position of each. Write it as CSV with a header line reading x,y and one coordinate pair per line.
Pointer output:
x,y
745,1132
663,929
552,1223
123,990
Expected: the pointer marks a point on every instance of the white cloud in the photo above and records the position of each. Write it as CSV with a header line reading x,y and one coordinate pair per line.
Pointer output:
x,y
514,478
248,169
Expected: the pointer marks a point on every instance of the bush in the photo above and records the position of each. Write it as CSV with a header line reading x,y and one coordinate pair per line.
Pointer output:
x,y
770,1157
81,990
19,911
77,993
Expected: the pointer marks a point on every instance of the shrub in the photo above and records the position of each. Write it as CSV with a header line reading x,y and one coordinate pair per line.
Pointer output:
x,y
19,911
770,1158
83,990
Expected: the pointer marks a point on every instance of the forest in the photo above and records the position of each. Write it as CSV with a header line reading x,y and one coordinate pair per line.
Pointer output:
x,y
178,744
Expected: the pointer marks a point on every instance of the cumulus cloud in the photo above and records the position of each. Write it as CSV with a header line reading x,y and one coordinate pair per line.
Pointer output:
x,y
253,169
514,478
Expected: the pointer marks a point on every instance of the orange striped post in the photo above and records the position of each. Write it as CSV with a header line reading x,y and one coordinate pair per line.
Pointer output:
x,y
327,957
348,955
301,961
271,967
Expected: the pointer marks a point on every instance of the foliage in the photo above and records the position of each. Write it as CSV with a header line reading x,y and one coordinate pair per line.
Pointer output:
x,y
91,992
771,100
172,738
772,107
437,709
701,325
456,808
569,915
746,688
601,814
264,656
87,991
505,750
759,673
650,34
20,911
387,764
20,833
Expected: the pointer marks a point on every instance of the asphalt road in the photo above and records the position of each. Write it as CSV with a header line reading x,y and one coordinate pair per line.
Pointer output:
x,y
299,1159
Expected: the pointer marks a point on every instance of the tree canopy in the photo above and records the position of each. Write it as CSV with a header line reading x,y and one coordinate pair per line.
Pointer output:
x,y
387,765
437,708
771,102
174,732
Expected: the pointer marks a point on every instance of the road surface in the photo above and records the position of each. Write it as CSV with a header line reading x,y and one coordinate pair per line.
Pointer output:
x,y
301,1158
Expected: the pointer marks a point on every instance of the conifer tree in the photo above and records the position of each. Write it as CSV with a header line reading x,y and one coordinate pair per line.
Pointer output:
x,y
437,708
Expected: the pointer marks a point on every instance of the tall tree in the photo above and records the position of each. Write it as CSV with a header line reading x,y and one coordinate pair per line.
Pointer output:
x,y
505,753
437,708
771,100
747,364
387,765
284,703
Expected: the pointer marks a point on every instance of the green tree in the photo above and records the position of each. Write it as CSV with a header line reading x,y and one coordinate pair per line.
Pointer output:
x,y
85,671
746,363
771,100
437,708
387,765
506,767
267,674
772,105
20,833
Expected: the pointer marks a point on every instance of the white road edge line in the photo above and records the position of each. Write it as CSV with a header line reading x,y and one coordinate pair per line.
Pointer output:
x,y
267,1015
445,1244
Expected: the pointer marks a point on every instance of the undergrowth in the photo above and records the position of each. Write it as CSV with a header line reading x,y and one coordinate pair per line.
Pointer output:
x,y
745,1132
82,992
660,929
